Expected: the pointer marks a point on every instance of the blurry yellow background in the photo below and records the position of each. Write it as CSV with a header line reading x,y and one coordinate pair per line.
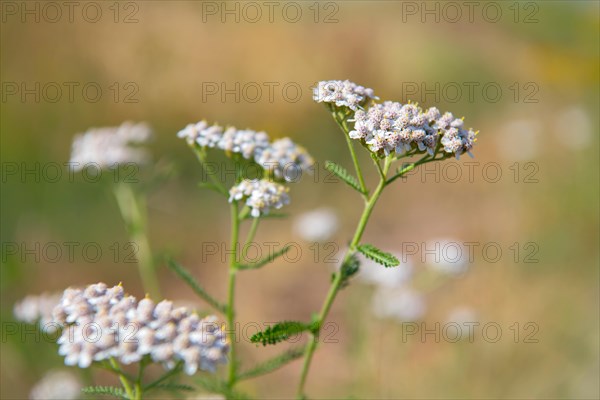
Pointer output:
x,y
174,48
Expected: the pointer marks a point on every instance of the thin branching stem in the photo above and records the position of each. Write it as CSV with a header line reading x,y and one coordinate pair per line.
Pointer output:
x,y
201,155
338,278
249,238
124,381
163,378
235,227
133,211
341,121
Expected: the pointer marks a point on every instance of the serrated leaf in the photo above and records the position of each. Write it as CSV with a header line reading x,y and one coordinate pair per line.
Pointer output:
x,y
187,277
344,175
280,332
210,186
218,386
105,390
174,387
270,258
273,363
379,256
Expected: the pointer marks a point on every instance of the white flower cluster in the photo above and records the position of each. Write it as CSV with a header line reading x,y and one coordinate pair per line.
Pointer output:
x,y
393,127
342,94
33,309
59,385
108,147
261,195
285,159
455,138
102,322
280,156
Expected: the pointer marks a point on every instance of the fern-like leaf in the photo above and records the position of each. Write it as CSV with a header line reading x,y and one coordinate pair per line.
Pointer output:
x,y
270,258
174,387
210,186
212,385
272,364
344,175
279,332
379,256
187,277
105,390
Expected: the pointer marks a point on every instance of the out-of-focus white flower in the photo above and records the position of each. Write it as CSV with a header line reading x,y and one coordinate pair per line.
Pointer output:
x,y
395,277
109,147
403,304
282,157
208,396
101,322
342,94
519,140
250,144
448,256
285,159
59,385
260,195
463,317
33,309
317,225
201,133
573,128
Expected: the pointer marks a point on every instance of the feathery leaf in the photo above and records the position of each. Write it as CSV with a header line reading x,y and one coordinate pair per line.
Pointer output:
x,y
272,364
213,385
280,331
379,256
344,175
270,258
105,390
174,387
187,277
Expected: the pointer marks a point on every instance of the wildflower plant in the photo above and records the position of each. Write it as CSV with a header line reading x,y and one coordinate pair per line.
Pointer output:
x,y
177,338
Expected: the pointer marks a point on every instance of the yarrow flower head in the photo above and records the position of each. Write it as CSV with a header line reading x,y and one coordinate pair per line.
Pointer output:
x,y
33,309
109,147
393,127
455,138
260,195
284,158
128,330
342,94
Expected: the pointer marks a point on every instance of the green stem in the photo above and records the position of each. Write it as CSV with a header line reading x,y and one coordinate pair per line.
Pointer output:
x,y
138,382
133,211
344,127
235,227
201,155
249,238
163,378
126,384
337,281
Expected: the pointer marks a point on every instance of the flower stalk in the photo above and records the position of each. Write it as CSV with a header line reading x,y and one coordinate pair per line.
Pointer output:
x,y
133,210
338,278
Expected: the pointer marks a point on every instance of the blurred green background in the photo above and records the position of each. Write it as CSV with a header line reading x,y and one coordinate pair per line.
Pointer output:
x,y
543,56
